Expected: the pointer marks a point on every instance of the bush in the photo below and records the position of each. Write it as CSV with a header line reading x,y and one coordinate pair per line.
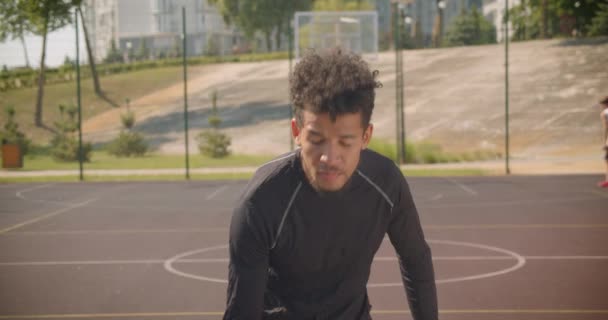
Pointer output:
x,y
65,148
128,144
384,148
425,152
64,145
27,77
128,120
214,144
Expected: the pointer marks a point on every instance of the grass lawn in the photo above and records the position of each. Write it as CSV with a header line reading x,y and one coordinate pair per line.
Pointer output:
x,y
223,176
103,160
116,87
92,178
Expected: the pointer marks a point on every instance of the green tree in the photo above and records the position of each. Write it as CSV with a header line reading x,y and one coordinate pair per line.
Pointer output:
x,y
265,16
534,19
96,85
470,29
13,24
64,145
582,11
342,5
142,50
128,143
214,143
44,16
213,46
113,54
599,23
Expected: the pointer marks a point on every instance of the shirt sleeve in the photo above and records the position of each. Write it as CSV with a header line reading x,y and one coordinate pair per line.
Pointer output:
x,y
414,254
248,267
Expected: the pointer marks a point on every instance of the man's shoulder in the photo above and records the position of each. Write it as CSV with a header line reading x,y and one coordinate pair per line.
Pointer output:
x,y
374,163
272,177
380,171
267,194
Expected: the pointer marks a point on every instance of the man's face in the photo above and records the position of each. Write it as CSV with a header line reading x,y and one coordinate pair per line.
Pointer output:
x,y
330,150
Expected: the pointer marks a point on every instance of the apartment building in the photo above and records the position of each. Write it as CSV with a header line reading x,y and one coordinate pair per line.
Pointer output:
x,y
157,25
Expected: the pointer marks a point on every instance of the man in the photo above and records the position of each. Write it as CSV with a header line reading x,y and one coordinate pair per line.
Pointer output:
x,y
305,232
604,118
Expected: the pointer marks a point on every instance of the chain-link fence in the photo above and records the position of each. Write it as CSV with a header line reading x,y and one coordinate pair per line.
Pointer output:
x,y
454,100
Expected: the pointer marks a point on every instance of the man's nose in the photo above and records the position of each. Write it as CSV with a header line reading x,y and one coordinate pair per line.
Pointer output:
x,y
331,155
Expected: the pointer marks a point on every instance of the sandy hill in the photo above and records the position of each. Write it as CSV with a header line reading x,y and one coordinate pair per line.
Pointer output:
x,y
454,97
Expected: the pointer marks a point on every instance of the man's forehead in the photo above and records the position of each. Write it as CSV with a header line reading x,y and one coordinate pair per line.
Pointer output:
x,y
337,129
314,117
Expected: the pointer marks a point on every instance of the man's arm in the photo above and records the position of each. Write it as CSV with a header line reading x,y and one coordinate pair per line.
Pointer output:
x,y
248,268
415,259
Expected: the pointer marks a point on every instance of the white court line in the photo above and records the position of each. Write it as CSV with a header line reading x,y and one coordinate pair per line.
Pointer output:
x,y
463,187
567,257
226,260
521,261
19,194
223,229
514,226
437,197
505,203
47,216
216,192
599,193
219,314
120,231
203,260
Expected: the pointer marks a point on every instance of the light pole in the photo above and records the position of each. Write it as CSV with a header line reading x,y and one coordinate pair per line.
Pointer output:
x,y
507,155
79,98
398,8
185,68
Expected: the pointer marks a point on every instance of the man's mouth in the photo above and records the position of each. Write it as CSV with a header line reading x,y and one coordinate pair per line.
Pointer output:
x,y
328,175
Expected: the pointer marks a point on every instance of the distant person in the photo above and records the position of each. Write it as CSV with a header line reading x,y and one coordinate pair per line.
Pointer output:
x,y
604,117
304,234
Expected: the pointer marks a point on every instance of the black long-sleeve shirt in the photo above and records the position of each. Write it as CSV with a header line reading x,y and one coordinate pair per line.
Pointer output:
x,y
296,253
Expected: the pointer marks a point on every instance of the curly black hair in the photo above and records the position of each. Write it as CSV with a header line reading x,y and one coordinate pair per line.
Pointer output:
x,y
334,82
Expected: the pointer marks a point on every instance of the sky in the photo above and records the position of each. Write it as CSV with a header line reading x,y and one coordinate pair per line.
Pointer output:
x,y
59,44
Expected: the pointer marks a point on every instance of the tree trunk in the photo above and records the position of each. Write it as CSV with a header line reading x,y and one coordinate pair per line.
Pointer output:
x,y
90,55
279,34
38,112
27,58
524,27
268,40
543,20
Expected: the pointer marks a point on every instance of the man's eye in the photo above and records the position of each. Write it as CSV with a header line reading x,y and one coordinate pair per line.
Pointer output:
x,y
317,141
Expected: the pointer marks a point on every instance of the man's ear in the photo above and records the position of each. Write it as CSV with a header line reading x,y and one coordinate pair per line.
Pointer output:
x,y
295,131
367,135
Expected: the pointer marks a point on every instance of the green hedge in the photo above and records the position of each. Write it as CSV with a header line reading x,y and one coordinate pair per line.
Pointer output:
x,y
23,78
425,152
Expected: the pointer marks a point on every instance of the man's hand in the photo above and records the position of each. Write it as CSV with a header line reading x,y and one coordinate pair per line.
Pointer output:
x,y
275,314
